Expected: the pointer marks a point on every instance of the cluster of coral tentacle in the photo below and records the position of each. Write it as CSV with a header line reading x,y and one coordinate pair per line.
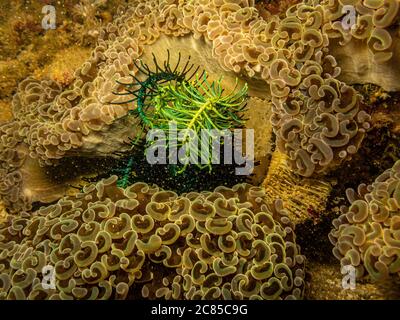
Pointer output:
x,y
367,233
145,242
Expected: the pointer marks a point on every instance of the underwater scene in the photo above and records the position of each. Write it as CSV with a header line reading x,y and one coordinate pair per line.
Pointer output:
x,y
199,150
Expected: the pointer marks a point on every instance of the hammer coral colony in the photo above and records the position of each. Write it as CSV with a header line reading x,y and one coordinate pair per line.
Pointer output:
x,y
205,150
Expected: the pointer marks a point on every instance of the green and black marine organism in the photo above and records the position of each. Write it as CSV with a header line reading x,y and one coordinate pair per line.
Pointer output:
x,y
184,97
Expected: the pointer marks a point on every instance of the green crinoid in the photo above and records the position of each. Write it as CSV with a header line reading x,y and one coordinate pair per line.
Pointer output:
x,y
178,99
195,106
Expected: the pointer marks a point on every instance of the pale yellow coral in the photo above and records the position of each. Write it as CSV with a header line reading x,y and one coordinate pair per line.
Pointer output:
x,y
367,235
303,197
227,244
